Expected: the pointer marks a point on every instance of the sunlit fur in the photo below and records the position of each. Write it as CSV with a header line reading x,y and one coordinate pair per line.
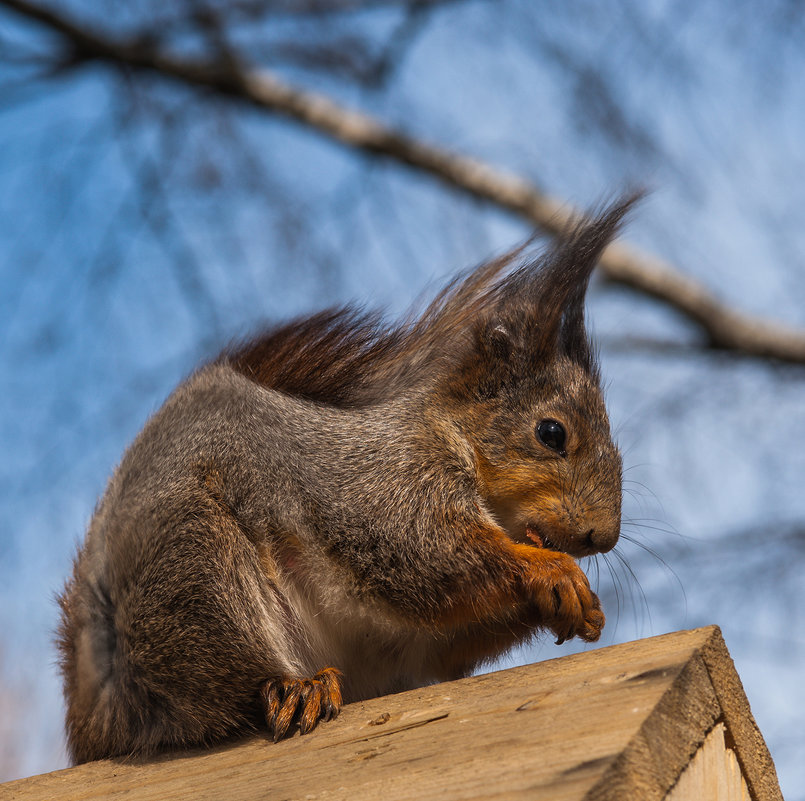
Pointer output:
x,y
341,508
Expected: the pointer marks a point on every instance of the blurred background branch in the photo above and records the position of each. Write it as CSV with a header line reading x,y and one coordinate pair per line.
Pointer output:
x,y
227,71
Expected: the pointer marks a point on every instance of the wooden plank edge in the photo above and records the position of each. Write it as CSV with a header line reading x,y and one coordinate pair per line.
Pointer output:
x,y
706,692
713,774
667,739
746,740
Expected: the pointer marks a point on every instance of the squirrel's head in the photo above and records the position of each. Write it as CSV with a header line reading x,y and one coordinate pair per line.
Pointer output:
x,y
547,466
527,395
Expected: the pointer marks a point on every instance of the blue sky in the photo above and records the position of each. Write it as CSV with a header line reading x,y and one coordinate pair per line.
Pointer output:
x,y
100,318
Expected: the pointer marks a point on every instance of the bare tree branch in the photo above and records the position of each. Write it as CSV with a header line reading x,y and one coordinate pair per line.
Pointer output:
x,y
724,327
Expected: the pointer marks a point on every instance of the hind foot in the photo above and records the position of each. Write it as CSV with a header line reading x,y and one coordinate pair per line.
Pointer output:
x,y
305,701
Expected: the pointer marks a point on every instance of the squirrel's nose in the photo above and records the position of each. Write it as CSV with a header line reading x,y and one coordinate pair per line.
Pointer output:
x,y
601,539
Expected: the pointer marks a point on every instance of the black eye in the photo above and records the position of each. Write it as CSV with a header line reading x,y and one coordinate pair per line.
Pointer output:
x,y
552,434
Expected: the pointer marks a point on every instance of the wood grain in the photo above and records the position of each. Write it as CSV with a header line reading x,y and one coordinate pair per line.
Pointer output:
x,y
713,774
618,723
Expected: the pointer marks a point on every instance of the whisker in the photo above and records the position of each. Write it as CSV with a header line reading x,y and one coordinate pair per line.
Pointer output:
x,y
618,587
644,523
628,568
644,487
662,561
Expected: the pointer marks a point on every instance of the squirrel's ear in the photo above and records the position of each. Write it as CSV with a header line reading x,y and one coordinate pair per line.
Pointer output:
x,y
492,359
498,341
560,284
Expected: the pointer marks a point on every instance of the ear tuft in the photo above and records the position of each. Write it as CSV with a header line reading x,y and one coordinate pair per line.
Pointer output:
x,y
555,286
515,327
579,254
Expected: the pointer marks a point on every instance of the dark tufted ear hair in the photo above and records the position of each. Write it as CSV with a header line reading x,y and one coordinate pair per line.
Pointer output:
x,y
554,287
535,313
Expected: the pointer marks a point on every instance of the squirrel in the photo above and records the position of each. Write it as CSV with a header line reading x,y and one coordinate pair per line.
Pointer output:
x,y
343,508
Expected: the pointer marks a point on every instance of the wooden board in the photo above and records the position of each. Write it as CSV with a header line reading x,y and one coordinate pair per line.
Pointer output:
x,y
714,773
618,723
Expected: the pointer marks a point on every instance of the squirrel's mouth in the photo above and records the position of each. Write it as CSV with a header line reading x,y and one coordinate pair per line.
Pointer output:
x,y
539,539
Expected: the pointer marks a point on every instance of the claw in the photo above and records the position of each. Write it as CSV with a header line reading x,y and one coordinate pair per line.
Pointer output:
x,y
331,679
557,600
312,698
288,710
272,699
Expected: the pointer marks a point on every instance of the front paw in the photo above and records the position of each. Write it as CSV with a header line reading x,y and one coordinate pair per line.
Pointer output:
x,y
559,589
